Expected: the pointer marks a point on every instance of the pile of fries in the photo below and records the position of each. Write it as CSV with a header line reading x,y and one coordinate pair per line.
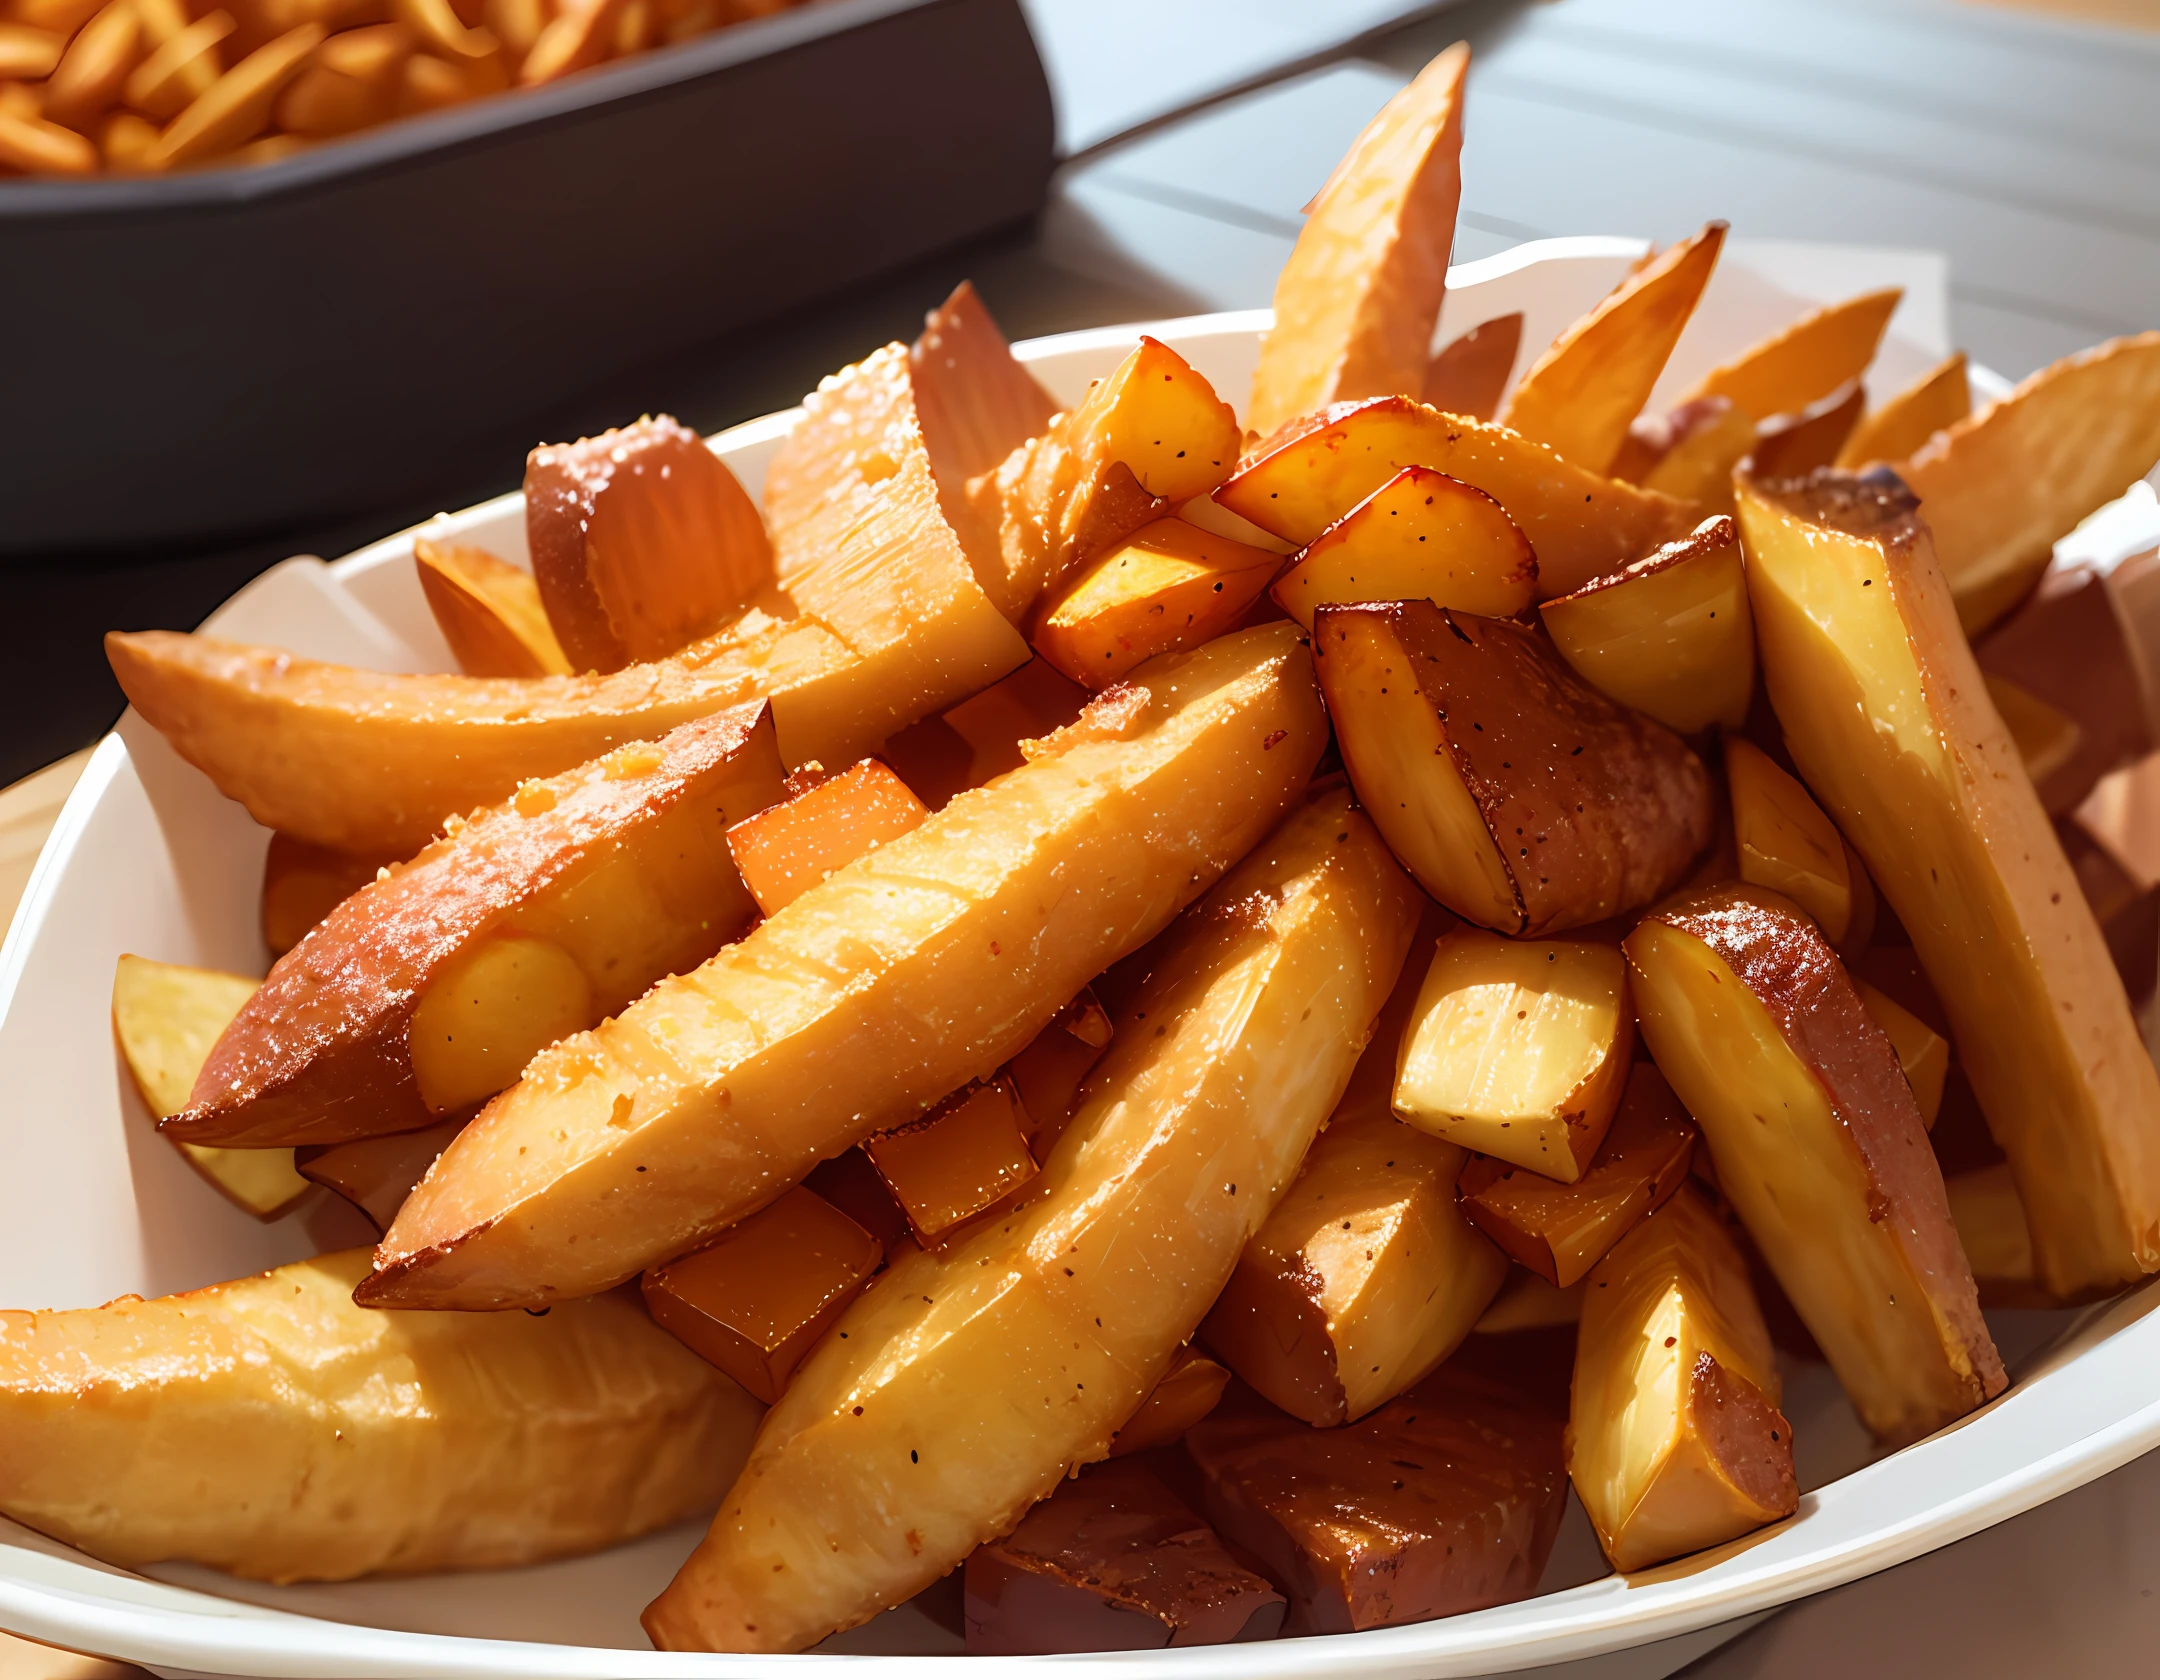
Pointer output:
x,y
1194,1019
138,87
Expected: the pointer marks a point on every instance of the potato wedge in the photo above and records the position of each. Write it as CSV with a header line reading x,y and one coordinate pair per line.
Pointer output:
x,y
1675,1440
166,1018
1818,1144
1582,394
918,967
303,883
377,1174
786,849
489,612
1885,715
1793,445
1669,634
881,623
1786,843
966,1385
1185,1393
1806,361
1580,525
1472,744
1901,427
1469,374
1923,1054
270,1428
1168,586
1518,1049
1559,1231
1356,303
1690,452
430,988
1992,1230
1420,536
1999,488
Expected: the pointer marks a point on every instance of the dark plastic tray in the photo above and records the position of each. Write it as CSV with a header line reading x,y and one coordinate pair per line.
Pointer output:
x,y
238,351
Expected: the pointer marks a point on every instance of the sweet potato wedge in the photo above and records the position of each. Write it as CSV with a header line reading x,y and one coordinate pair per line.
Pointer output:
x,y
1792,445
961,1388
303,883
1468,375
376,1174
920,966
1689,452
1900,428
1783,841
1806,361
488,611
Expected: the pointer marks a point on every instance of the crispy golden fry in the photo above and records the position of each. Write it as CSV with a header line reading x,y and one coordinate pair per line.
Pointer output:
x,y
488,610
1999,488
967,1385
1582,394
238,103
2046,740
181,70
961,1159
1901,427
1806,361
1168,586
38,147
27,53
1356,302
1886,716
1469,374
919,966
96,63
1991,1227
438,26
270,1428
576,38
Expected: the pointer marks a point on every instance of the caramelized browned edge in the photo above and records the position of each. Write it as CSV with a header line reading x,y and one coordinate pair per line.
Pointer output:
x,y
1714,533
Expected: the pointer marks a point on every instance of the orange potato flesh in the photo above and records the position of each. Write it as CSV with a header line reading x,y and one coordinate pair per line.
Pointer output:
x,y
1356,303
1901,427
2001,486
1518,1049
1469,374
962,1387
1669,634
303,883
755,1302
1805,362
1559,1231
1675,1441
1168,586
28,53
1885,714
1047,1074
1185,1394
166,1018
1520,797
1157,416
1035,701
1818,1144
1581,395
237,105
1923,1053
964,1156
1689,452
786,849
642,541
921,965
1420,535
1785,842
181,70
489,612
377,1174
593,884
96,62
1579,525
1793,445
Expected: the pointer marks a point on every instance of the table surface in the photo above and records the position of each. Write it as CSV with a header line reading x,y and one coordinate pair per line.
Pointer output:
x,y
2024,144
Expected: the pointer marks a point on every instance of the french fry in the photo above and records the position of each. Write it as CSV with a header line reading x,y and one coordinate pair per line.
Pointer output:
x,y
2000,487
27,53
1992,1230
1582,394
516,23
2047,740
237,105
96,64
126,141
1806,361
1356,302
1901,427
575,39
352,84
1421,535
437,26
38,147
182,69
1469,374
488,610
1169,585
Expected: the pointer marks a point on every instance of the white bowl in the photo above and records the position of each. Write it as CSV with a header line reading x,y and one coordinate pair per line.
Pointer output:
x,y
147,857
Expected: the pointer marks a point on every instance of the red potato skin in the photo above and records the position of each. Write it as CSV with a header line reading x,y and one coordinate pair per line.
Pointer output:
x,y
320,1053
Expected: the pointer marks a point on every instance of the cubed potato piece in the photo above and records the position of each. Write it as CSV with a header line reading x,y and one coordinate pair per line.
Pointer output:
x,y
1997,1242
1923,1053
1112,1561
2000,487
1794,445
1885,715
1582,394
1150,435
430,988
786,849
1787,844
2123,902
853,1185
962,1158
489,612
303,883
1519,796
1364,1278
1901,427
1675,1440
1559,1231
1445,1500
1805,362
1468,375
1421,535
1519,1049
1359,296
641,542
377,1174
1186,1393
1818,1144
166,1018
1168,586
1035,701
918,967
188,1429
962,1387
1669,634
755,1302
1047,1074
1580,525
1689,452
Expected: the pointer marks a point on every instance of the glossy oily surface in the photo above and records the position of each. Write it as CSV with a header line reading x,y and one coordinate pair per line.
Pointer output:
x,y
961,1158
1169,585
